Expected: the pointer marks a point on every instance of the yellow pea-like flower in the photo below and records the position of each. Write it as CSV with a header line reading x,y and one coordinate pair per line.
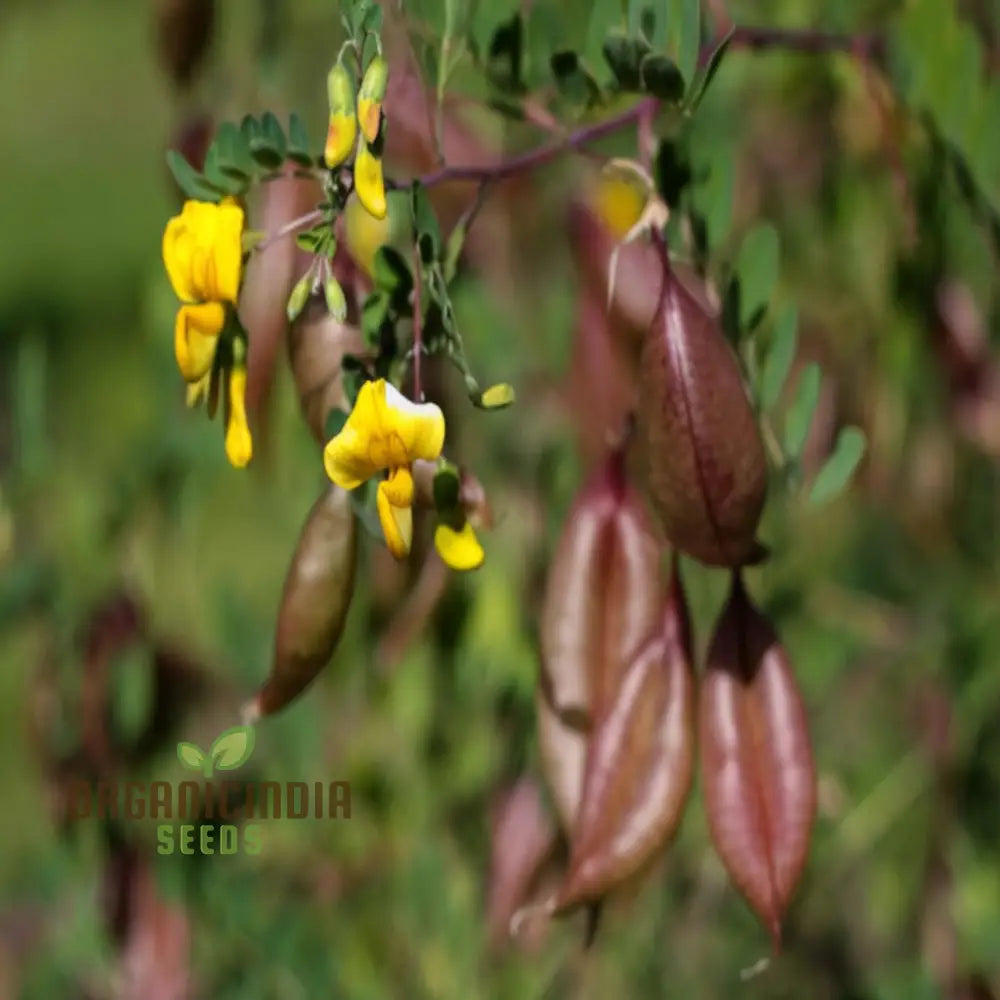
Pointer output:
x,y
386,432
203,251
368,181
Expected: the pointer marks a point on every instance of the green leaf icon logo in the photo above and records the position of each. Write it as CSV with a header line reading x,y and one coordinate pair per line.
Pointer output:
x,y
191,756
232,748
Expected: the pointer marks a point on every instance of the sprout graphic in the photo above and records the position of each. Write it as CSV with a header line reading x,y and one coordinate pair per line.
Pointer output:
x,y
230,750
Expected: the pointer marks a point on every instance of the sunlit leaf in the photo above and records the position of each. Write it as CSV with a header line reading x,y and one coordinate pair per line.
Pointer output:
x,y
800,414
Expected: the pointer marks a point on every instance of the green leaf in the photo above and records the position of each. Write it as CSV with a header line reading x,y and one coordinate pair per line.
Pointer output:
x,y
779,357
605,17
392,274
660,77
703,78
801,412
218,177
234,151
447,487
298,141
191,756
425,224
192,183
268,148
232,748
757,267
575,82
624,55
716,197
689,38
250,128
373,315
840,466
371,21
311,239
334,423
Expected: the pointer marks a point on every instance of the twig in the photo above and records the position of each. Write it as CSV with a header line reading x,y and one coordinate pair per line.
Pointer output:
x,y
290,227
418,346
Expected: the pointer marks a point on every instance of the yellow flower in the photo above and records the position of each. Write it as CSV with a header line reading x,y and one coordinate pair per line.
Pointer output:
x,y
196,333
203,251
386,432
619,203
459,549
369,182
239,445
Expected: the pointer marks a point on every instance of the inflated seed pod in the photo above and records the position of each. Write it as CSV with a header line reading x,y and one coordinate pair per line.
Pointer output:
x,y
314,602
707,470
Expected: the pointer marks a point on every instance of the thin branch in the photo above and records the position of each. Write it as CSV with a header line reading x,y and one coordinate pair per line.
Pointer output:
x,y
418,343
810,42
291,227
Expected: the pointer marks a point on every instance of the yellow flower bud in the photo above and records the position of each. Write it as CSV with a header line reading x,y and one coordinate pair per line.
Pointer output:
x,y
239,445
343,129
371,95
368,181
336,303
299,297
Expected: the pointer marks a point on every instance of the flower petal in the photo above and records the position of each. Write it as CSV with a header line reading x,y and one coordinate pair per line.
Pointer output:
x,y
459,549
203,251
348,456
397,522
418,426
196,335
239,444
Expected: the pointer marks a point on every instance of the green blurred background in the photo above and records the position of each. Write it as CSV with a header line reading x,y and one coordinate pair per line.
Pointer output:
x,y
887,599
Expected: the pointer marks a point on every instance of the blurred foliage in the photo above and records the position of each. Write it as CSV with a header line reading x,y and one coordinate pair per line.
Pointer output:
x,y
886,599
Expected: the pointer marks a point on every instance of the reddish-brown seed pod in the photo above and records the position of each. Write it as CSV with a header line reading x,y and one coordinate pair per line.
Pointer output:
x,y
706,465
757,763
603,594
639,764
314,602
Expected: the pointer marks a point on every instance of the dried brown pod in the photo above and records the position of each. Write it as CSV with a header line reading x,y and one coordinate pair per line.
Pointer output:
x,y
706,465
183,35
757,764
314,602
603,595
639,764
523,839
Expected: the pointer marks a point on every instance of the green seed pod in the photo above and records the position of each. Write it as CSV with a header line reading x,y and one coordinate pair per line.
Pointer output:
x,y
336,303
343,128
371,95
299,297
314,602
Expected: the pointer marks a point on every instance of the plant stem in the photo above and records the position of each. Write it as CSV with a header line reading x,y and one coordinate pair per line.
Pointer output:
x,y
418,344
290,227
